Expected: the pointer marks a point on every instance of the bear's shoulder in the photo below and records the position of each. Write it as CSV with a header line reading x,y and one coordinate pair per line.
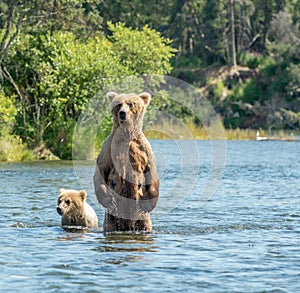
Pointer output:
x,y
90,216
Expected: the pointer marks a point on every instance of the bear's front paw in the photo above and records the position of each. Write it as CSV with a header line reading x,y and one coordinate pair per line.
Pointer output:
x,y
110,203
106,198
147,205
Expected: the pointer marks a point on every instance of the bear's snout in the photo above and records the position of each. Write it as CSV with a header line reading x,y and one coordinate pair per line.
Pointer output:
x,y
59,210
122,115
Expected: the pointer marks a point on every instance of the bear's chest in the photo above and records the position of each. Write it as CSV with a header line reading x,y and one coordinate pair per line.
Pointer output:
x,y
129,157
127,176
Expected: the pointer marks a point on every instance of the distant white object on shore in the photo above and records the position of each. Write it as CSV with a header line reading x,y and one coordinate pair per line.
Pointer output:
x,y
258,137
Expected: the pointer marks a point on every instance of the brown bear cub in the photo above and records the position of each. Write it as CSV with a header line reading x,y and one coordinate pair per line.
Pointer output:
x,y
126,180
74,209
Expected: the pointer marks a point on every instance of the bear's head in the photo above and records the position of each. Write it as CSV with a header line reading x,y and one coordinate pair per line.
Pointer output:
x,y
128,108
70,202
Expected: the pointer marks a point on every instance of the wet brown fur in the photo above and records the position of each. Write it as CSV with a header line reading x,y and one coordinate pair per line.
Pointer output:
x,y
74,209
125,180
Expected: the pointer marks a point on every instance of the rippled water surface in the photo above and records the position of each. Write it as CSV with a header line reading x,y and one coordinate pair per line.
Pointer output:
x,y
245,238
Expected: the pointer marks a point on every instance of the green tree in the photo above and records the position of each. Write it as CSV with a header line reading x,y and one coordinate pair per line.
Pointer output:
x,y
261,21
37,18
244,9
136,13
8,112
142,51
57,74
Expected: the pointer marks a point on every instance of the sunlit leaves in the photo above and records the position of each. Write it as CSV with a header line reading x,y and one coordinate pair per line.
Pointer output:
x,y
58,73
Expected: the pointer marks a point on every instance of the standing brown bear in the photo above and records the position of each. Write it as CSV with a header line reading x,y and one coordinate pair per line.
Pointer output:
x,y
126,180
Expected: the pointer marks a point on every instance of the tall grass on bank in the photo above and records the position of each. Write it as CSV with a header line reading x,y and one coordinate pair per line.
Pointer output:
x,y
13,150
243,134
198,132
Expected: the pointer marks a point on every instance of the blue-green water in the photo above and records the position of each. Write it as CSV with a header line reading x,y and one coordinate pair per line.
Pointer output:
x,y
245,238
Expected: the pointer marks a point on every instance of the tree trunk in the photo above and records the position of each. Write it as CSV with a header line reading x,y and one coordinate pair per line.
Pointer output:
x,y
7,39
232,24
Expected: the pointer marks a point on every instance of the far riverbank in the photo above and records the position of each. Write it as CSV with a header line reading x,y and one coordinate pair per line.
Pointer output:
x,y
13,149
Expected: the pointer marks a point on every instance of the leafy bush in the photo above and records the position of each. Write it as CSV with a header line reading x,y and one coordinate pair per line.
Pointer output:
x,y
248,92
250,59
12,149
58,75
188,62
294,81
8,112
141,52
268,67
218,90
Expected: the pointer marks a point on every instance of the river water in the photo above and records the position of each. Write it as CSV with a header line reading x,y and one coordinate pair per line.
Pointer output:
x,y
245,236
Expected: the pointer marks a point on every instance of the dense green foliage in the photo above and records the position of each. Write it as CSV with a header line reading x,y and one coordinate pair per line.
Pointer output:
x,y
8,112
53,74
56,55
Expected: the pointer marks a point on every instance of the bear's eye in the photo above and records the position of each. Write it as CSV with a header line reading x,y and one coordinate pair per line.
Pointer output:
x,y
68,202
119,106
130,106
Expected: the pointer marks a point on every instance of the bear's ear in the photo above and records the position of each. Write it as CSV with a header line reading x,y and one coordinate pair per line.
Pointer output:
x,y
83,194
62,190
110,96
146,97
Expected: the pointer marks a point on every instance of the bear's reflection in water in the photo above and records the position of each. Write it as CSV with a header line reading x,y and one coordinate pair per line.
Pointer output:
x,y
73,233
79,229
120,247
130,245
